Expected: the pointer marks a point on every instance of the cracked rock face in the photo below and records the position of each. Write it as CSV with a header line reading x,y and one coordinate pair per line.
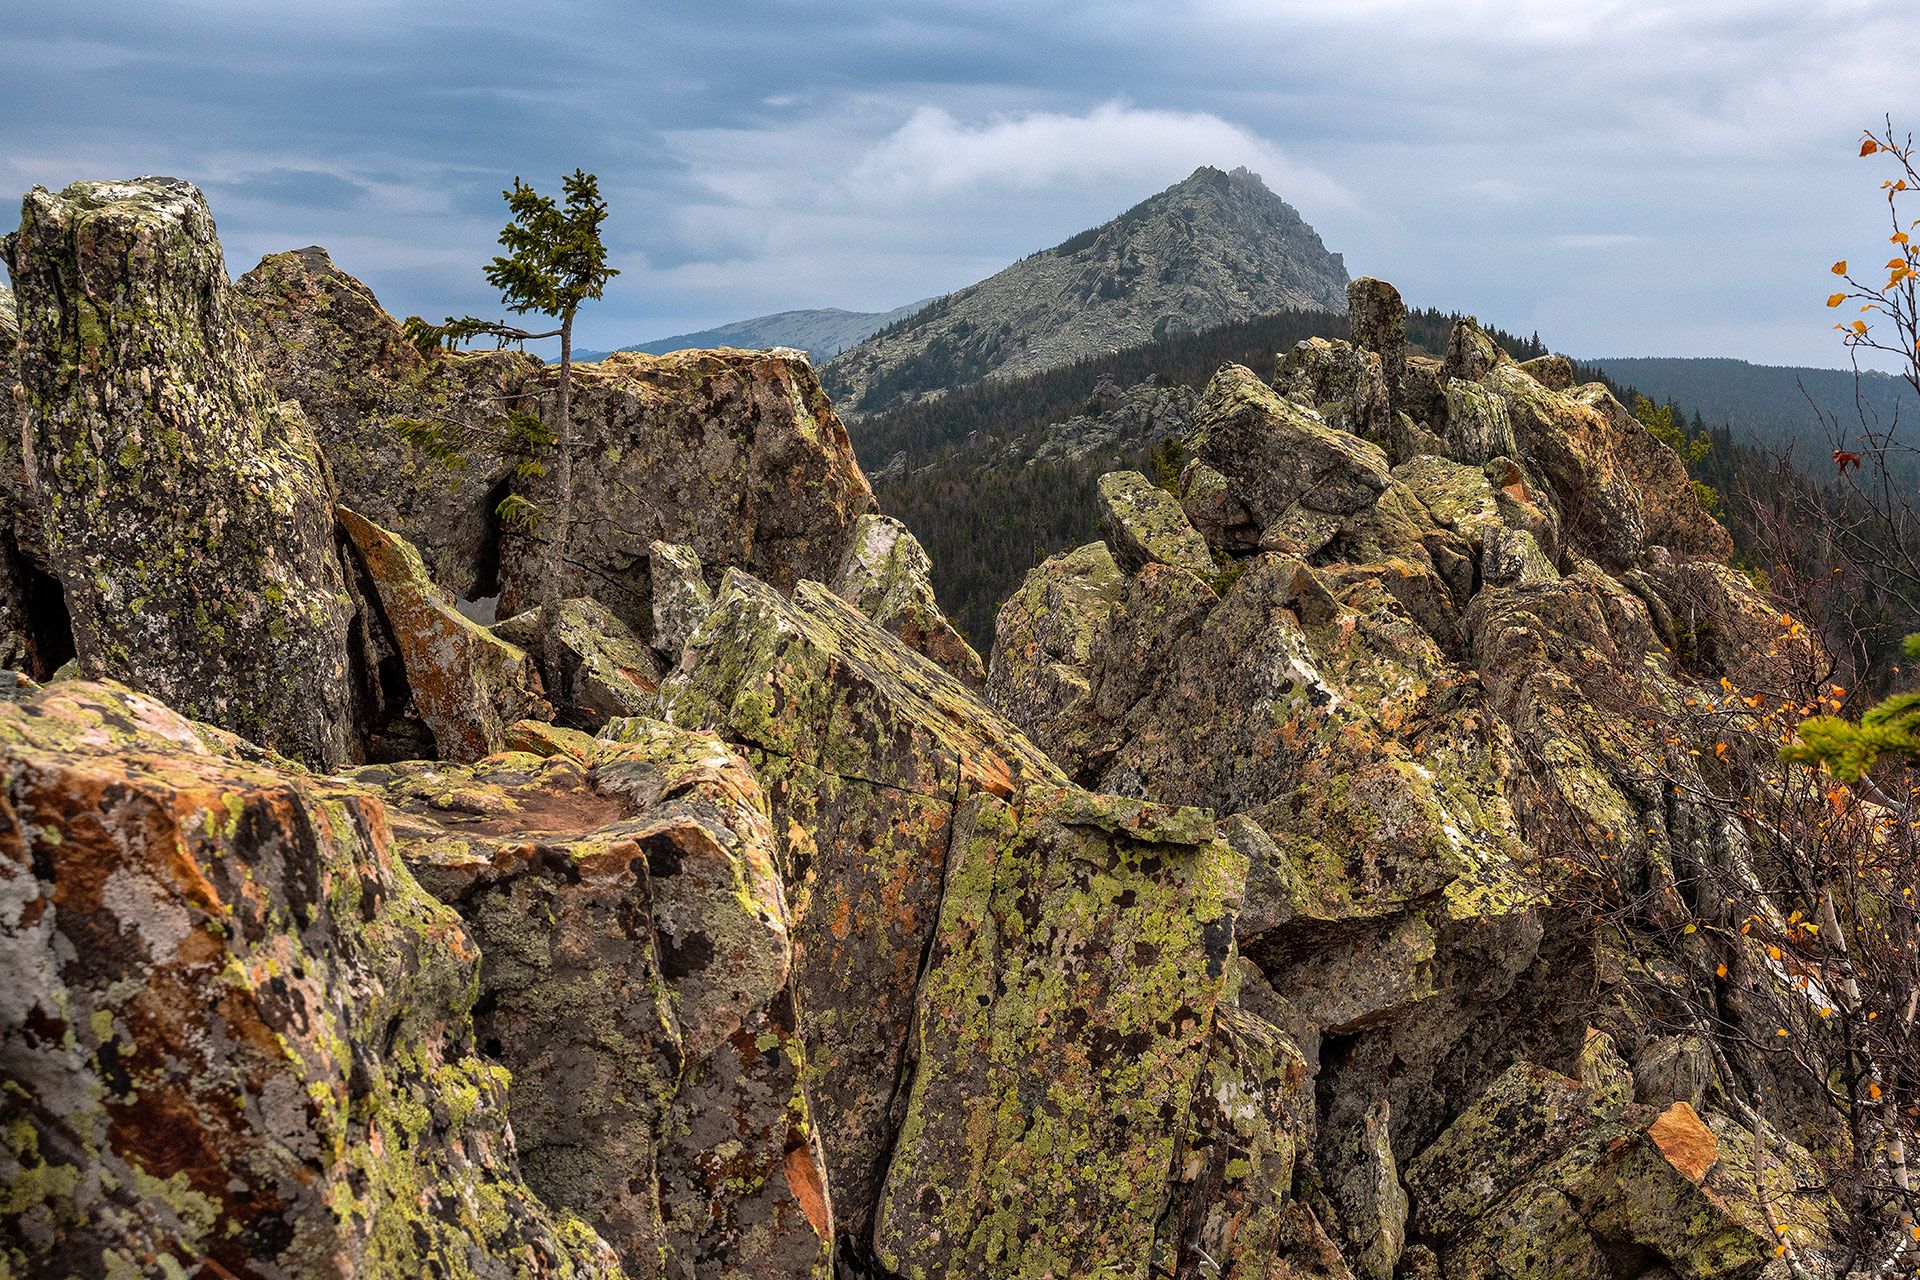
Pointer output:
x,y
187,509
233,1027
637,979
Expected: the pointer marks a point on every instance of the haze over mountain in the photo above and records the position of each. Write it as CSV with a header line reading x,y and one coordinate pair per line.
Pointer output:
x,y
1215,248
822,333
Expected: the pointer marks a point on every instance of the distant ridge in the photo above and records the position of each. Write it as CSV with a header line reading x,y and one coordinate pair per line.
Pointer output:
x,y
1763,401
822,334
1216,248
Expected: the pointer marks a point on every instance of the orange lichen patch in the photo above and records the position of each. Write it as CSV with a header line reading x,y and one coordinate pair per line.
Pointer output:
x,y
1688,1145
803,1179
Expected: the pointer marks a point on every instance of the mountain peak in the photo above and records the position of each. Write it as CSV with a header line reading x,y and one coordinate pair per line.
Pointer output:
x,y
1216,247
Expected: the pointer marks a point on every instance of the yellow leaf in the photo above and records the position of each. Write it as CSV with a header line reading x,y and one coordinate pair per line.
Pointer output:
x,y
1868,147
1720,971
1900,237
1873,1091
1840,267
1860,327
1781,1032
1836,299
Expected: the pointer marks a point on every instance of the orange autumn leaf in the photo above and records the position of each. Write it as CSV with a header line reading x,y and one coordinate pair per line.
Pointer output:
x,y
1840,267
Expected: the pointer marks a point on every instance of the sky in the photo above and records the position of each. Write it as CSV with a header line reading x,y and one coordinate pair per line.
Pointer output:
x,y
1626,177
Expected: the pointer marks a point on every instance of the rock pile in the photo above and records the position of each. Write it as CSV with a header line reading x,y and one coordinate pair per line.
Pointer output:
x,y
751,934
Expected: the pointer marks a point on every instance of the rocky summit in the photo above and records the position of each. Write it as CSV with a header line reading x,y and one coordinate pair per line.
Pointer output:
x,y
737,919
1217,247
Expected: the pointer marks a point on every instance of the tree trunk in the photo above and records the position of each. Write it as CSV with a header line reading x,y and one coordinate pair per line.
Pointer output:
x,y
561,535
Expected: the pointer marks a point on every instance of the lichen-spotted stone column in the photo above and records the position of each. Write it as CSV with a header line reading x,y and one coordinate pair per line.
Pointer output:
x,y
187,509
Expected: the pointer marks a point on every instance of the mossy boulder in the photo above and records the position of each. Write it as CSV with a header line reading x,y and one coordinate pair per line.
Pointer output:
x,y
738,455
187,509
234,1030
1274,453
1346,385
593,668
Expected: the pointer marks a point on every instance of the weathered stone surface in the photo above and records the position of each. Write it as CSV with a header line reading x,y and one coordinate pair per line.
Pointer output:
x,y
735,454
1219,517
1233,1174
1542,1177
187,510
887,576
464,682
1345,384
1144,524
1274,453
681,597
1044,642
636,977
1062,1027
601,668
865,749
233,1028
1555,373
1377,318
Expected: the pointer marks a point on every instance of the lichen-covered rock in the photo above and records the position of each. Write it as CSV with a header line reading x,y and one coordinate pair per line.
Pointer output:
x,y
681,597
1274,453
866,749
1063,1024
1232,1183
1377,319
1144,524
601,669
187,510
1219,517
236,1036
636,977
467,684
1345,384
1043,643
887,576
1553,372
1542,1177
735,454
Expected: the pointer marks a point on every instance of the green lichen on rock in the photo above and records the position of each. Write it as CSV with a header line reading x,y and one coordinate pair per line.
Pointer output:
x,y
1144,524
1063,1023
887,575
865,748
187,510
600,667
236,1029
636,976
1274,453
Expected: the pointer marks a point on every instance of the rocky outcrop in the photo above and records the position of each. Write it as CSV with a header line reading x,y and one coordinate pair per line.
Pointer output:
x,y
636,977
1214,248
187,510
236,1036
887,576
1433,650
735,454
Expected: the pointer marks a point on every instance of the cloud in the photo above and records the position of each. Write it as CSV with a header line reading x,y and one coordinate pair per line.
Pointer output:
x,y
935,152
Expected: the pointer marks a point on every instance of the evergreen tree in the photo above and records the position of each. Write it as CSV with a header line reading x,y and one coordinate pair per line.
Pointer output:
x,y
554,261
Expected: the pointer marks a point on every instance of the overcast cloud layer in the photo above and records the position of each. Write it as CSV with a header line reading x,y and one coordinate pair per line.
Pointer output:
x,y
1644,177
